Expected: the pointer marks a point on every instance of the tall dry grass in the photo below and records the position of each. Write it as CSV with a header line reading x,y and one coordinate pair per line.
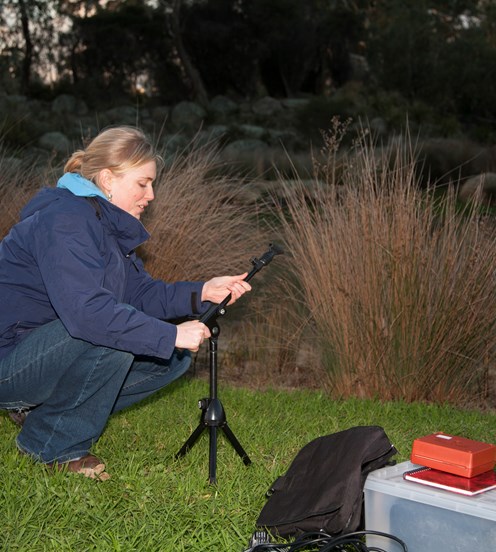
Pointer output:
x,y
199,226
399,285
19,180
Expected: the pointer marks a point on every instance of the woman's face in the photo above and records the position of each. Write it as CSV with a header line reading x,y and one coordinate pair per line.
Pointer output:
x,y
133,191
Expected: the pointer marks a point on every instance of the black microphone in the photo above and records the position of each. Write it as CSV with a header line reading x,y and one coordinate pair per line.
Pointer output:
x,y
258,264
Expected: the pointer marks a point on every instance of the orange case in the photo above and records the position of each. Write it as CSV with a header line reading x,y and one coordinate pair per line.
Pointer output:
x,y
453,454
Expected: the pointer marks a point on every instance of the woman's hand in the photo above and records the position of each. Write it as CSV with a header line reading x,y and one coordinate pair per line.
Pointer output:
x,y
191,334
217,289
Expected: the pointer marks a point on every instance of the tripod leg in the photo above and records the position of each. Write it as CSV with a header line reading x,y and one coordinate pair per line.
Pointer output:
x,y
212,461
191,439
236,444
213,416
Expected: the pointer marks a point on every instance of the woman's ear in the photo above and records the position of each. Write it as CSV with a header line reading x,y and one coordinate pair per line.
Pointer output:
x,y
104,181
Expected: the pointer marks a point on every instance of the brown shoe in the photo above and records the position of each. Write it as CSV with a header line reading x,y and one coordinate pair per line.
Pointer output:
x,y
89,465
18,416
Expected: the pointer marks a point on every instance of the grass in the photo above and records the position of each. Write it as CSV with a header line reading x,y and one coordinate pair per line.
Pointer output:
x,y
154,502
19,181
197,221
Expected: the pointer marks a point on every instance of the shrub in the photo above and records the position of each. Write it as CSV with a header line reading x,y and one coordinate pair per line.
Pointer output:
x,y
314,119
21,178
199,228
399,285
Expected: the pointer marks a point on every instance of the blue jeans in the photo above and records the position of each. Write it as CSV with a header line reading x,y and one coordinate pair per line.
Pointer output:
x,y
72,387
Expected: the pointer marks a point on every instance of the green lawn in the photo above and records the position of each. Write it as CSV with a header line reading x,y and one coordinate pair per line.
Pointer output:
x,y
154,502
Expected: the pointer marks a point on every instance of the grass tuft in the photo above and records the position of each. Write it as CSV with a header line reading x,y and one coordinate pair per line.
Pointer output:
x,y
397,282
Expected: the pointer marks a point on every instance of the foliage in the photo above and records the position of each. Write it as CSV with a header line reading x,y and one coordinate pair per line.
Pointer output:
x,y
315,118
209,27
447,54
386,287
121,52
196,220
288,51
431,53
398,284
154,503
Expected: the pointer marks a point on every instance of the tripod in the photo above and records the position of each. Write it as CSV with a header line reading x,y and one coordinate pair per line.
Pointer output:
x,y
213,415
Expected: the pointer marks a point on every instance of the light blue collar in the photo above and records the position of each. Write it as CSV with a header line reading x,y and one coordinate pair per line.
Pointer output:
x,y
79,185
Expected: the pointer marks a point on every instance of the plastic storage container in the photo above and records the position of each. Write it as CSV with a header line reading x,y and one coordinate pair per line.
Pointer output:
x,y
425,518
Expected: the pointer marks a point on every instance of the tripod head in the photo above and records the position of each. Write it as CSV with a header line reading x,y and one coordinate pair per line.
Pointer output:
x,y
216,310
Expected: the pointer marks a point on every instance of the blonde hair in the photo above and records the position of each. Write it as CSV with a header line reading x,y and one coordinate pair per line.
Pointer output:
x,y
117,149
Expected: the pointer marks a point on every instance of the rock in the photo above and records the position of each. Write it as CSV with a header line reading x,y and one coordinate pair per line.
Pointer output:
x,y
483,184
252,131
288,138
247,146
173,144
266,106
68,104
122,115
13,106
223,106
294,103
211,136
188,116
217,131
55,142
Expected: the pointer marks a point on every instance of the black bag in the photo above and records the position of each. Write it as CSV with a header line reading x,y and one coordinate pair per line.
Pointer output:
x,y
323,488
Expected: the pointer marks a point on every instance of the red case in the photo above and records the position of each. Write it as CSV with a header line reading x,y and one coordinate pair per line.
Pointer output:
x,y
452,454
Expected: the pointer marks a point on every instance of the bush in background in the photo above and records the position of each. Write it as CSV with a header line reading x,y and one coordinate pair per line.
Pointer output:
x,y
19,181
198,224
398,284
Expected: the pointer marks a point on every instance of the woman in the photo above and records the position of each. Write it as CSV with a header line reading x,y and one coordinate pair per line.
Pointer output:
x,y
83,327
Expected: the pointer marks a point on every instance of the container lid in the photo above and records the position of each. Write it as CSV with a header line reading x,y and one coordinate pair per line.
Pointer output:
x,y
389,481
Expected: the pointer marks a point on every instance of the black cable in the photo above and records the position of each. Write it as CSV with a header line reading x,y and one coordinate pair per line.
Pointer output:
x,y
327,543
379,534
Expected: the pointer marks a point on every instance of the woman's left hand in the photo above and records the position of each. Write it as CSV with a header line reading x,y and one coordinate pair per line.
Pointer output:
x,y
217,289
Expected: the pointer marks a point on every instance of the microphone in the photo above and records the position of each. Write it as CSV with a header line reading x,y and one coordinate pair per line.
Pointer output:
x,y
258,264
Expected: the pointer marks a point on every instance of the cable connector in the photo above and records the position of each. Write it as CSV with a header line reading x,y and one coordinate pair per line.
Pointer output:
x,y
258,538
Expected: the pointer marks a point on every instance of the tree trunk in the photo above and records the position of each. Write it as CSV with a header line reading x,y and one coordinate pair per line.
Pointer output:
x,y
191,72
28,48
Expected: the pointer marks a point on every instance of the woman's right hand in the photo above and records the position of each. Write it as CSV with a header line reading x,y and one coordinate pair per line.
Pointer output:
x,y
191,334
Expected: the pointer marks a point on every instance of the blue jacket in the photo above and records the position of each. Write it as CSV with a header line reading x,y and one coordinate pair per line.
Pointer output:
x,y
72,258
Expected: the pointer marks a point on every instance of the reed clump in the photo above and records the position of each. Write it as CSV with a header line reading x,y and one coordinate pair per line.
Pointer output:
x,y
199,228
19,180
399,282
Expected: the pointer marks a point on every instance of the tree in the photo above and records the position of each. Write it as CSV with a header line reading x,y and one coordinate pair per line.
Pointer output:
x,y
287,34
122,51
302,44
438,51
173,9
222,47
28,28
